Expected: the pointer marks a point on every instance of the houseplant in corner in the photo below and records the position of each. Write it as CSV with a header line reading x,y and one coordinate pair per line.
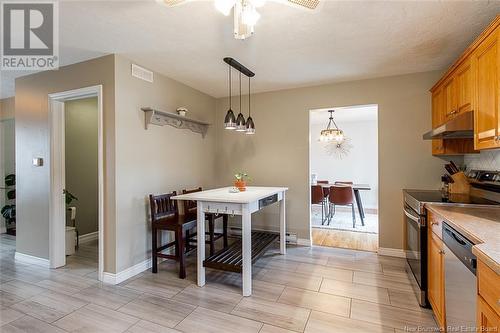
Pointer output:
x,y
240,181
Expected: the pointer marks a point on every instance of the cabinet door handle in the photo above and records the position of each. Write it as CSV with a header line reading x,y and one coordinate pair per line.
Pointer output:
x,y
441,251
434,223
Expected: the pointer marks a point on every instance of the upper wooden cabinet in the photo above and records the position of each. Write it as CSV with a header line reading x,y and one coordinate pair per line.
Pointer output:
x,y
463,83
472,84
485,65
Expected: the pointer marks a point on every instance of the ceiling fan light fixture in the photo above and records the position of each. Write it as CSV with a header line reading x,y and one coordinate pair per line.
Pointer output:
x,y
249,15
224,6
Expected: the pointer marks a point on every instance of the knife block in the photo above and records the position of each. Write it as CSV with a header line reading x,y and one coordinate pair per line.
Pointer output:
x,y
460,184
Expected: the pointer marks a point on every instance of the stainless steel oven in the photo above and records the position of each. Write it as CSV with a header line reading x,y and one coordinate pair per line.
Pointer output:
x,y
416,252
485,191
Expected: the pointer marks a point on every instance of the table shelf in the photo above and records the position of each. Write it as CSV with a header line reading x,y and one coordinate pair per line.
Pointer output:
x,y
230,259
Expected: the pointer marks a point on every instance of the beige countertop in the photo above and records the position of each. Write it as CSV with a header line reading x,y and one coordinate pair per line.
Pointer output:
x,y
480,225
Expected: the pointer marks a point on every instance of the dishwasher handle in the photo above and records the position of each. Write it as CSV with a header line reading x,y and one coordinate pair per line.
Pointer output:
x,y
460,246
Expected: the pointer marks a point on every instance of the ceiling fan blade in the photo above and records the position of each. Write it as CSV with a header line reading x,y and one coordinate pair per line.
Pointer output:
x,y
310,4
171,3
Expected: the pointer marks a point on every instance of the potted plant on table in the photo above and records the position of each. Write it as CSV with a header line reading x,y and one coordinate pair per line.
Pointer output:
x,y
240,181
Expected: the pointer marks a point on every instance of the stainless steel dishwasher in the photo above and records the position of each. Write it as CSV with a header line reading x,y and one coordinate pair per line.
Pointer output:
x,y
460,281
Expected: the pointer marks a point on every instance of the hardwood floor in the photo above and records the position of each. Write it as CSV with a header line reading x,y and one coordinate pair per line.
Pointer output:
x,y
316,289
345,239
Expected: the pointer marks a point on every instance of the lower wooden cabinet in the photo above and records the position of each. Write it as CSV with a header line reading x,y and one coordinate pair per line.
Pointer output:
x,y
487,319
435,277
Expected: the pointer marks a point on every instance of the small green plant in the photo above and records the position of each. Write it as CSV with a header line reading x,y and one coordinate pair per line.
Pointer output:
x,y
242,176
9,210
69,197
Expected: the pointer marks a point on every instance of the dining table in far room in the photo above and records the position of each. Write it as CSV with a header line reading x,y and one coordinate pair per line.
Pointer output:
x,y
356,188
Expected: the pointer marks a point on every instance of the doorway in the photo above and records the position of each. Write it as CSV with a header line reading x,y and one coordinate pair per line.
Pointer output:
x,y
76,171
343,164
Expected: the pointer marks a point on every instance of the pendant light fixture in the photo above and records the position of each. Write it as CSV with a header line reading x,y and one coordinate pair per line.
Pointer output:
x,y
240,120
331,134
230,120
250,126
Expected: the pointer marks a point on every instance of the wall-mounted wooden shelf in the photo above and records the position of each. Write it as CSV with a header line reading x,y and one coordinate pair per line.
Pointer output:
x,y
161,118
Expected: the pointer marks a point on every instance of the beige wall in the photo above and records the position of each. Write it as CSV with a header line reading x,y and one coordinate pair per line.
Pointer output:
x,y
81,125
32,140
278,153
156,160
7,108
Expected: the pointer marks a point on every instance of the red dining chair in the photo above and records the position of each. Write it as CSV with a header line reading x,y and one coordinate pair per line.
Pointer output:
x,y
341,195
317,198
326,190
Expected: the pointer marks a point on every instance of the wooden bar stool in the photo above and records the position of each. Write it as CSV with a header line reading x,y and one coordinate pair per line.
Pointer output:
x,y
165,216
190,210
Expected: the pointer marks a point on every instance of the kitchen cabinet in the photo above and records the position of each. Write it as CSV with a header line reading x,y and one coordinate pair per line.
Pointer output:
x,y
447,102
485,66
450,97
437,120
488,299
487,319
435,273
463,86
472,84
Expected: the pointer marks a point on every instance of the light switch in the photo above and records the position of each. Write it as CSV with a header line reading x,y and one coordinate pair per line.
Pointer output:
x,y
37,161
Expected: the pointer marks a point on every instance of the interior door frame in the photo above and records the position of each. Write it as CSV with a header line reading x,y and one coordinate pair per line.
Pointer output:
x,y
57,206
309,124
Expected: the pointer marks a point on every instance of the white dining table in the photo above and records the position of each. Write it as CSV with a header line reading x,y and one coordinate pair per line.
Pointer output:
x,y
223,201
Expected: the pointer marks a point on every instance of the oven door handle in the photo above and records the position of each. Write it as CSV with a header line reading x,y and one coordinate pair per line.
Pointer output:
x,y
412,216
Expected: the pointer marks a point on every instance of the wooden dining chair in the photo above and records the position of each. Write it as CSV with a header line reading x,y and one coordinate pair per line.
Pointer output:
x,y
317,198
190,210
341,195
165,216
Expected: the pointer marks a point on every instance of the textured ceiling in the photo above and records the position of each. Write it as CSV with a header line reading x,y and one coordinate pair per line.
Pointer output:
x,y
346,114
341,40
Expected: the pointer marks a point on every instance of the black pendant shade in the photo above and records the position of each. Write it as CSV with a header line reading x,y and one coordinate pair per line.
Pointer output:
x,y
230,121
240,123
250,126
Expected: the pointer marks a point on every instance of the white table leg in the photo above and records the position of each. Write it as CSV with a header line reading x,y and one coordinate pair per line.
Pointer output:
x,y
246,221
282,225
200,230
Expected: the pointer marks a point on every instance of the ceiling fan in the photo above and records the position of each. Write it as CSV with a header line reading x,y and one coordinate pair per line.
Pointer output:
x,y
244,11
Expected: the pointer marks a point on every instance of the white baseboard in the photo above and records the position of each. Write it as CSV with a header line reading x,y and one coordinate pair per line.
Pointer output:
x,y
385,251
88,237
304,242
32,260
126,274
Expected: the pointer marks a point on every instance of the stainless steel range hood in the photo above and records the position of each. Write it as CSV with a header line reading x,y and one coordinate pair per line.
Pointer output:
x,y
460,127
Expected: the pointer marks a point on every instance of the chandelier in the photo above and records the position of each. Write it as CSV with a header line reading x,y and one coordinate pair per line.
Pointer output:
x,y
331,133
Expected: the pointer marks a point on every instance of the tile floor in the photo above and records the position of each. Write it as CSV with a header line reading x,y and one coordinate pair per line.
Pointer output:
x,y
309,290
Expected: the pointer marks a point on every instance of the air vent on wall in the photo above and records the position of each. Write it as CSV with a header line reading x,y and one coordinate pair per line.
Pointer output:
x,y
142,73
